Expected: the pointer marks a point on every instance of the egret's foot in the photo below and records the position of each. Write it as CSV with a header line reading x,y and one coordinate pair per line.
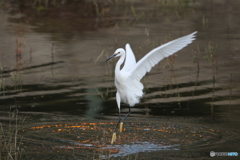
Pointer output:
x,y
114,137
121,127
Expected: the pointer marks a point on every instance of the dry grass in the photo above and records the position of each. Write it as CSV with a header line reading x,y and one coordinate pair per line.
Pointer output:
x,y
10,142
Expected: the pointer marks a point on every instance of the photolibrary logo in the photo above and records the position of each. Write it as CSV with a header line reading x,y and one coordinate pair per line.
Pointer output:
x,y
213,154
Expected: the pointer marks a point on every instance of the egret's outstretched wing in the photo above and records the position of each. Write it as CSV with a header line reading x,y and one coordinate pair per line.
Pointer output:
x,y
130,60
156,55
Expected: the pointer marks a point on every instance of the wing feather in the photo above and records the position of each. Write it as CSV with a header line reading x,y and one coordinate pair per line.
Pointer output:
x,y
156,55
130,60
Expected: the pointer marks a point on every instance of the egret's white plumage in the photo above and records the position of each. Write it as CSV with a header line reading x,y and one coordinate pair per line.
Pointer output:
x,y
127,79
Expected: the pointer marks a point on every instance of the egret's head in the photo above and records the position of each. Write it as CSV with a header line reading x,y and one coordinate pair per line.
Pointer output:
x,y
117,53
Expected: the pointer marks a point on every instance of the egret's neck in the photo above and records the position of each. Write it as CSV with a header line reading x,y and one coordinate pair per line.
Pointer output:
x,y
120,61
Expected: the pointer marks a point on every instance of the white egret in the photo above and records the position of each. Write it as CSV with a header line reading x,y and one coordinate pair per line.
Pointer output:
x,y
127,79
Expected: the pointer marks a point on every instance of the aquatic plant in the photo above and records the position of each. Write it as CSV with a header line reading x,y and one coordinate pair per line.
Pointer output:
x,y
16,80
211,57
10,142
204,22
2,86
196,59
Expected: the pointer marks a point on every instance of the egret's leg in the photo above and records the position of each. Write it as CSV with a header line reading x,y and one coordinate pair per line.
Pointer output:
x,y
129,112
121,123
114,136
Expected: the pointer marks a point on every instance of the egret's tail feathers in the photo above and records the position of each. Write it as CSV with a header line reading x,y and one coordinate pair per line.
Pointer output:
x,y
134,92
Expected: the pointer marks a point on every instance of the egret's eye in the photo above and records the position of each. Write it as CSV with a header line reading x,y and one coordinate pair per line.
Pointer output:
x,y
118,53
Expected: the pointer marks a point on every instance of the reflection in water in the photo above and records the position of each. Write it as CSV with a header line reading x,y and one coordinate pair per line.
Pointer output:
x,y
121,150
137,137
94,100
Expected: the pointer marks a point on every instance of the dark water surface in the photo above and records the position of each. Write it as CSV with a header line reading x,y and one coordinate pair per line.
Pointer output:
x,y
52,70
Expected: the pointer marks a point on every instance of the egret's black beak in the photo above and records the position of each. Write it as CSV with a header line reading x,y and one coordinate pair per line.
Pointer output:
x,y
112,56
